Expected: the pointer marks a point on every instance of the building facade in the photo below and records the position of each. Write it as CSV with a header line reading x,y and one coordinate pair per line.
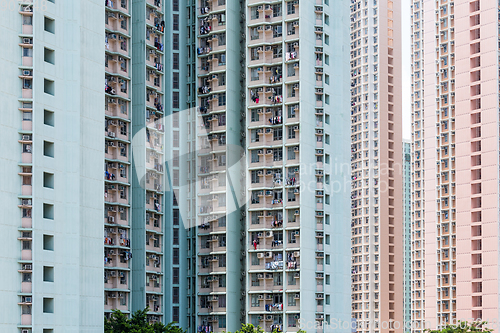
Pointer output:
x,y
455,200
254,139
376,198
271,140
407,230
51,164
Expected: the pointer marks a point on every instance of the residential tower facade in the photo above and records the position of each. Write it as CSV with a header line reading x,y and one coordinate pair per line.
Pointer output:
x,y
51,164
377,172
455,161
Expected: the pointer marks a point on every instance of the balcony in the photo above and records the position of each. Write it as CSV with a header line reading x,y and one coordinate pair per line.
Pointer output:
x,y
262,57
112,302
117,44
114,281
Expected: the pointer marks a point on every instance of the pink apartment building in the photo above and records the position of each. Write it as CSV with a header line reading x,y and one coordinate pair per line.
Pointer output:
x,y
455,162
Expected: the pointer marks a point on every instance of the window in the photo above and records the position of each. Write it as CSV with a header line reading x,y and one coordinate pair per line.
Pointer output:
x,y
26,245
222,99
255,115
222,320
48,305
48,180
175,42
175,61
49,55
175,22
27,20
222,301
175,256
123,129
222,281
49,25
26,277
222,39
48,117
175,80
48,274
48,242
27,84
255,259
48,87
48,149
27,52
175,99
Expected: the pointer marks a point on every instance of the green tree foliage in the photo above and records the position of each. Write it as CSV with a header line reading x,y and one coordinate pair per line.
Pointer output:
x,y
463,327
249,328
120,323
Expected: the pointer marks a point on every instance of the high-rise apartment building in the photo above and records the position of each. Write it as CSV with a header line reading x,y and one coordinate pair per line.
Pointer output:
x,y
143,238
376,198
407,231
247,102
271,163
51,165
455,161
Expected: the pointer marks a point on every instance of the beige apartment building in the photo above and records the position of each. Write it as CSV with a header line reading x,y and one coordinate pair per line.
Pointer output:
x,y
454,162
377,170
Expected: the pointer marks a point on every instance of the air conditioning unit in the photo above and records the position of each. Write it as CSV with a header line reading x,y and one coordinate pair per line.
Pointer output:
x,y
296,148
26,40
111,219
26,72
